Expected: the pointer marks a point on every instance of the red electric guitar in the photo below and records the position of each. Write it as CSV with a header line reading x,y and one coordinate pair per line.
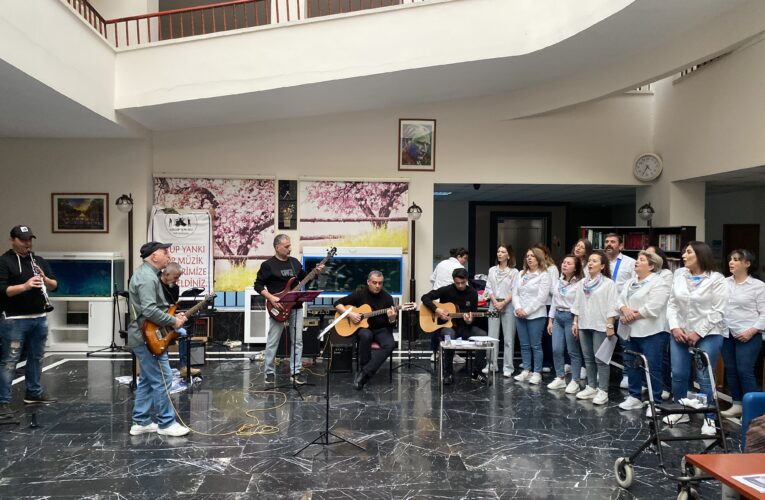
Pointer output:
x,y
282,313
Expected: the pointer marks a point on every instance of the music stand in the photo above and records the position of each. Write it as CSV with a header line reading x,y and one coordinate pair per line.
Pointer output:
x,y
323,437
296,298
412,329
116,325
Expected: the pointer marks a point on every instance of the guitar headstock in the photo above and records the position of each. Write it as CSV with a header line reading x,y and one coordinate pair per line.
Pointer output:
x,y
408,306
210,296
331,252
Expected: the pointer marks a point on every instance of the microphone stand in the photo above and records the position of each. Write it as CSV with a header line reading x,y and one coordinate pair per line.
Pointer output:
x,y
116,322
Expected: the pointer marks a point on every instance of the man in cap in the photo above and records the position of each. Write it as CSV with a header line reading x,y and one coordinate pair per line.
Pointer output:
x,y
23,281
148,303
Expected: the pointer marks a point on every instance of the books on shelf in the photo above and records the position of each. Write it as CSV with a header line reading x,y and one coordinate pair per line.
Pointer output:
x,y
670,242
674,263
636,241
632,241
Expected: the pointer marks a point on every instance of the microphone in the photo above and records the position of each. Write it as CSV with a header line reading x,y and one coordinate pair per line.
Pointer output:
x,y
124,293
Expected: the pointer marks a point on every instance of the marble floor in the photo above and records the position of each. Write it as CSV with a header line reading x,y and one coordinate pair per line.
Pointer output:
x,y
511,440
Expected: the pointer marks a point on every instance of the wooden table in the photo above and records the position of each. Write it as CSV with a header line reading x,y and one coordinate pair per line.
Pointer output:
x,y
723,466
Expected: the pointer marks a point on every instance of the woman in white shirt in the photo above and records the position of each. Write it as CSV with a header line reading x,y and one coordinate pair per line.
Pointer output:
x,y
643,318
499,293
594,315
560,322
695,314
529,296
582,250
745,319
666,366
548,360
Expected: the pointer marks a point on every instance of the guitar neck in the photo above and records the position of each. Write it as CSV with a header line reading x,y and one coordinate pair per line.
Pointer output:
x,y
310,275
475,315
379,312
193,310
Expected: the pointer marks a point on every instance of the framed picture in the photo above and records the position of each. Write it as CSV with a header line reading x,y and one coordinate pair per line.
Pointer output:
x,y
416,144
80,212
287,205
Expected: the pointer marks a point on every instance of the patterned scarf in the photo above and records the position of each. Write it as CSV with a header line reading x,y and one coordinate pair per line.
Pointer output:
x,y
590,285
694,282
564,285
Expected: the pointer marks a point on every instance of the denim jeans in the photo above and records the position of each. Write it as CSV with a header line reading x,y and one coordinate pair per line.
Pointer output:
x,y
295,328
652,347
740,358
507,320
530,336
598,372
681,367
183,348
563,341
22,335
153,387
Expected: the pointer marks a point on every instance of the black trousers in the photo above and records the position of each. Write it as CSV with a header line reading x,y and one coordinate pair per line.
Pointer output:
x,y
479,356
369,360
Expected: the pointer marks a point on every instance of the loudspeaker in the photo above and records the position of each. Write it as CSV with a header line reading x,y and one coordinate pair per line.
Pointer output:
x,y
197,354
312,326
342,358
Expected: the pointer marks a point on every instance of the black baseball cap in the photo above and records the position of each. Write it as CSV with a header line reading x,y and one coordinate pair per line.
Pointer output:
x,y
22,233
151,247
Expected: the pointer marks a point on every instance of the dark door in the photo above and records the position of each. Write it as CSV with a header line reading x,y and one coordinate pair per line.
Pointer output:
x,y
735,236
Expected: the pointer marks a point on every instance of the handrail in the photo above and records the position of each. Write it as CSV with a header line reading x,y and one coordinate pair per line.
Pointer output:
x,y
90,14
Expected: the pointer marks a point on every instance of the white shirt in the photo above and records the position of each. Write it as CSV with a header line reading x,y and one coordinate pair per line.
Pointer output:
x,y
649,297
625,272
553,272
698,308
531,293
563,295
594,310
746,305
442,274
501,282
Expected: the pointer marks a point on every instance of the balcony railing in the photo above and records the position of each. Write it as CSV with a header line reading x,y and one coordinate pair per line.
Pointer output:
x,y
213,18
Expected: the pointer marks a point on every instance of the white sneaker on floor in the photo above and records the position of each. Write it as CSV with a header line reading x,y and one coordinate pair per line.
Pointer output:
x,y
600,398
566,368
458,359
535,378
665,395
583,373
507,373
676,418
137,429
546,369
175,430
708,428
624,384
648,412
557,383
631,403
732,412
521,377
586,393
573,387
433,358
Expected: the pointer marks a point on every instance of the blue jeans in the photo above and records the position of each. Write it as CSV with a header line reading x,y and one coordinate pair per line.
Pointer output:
x,y
530,336
652,347
563,340
183,348
507,320
153,388
295,329
17,336
740,358
681,367
598,372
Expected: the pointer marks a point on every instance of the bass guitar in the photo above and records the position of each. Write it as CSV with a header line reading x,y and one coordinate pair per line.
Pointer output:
x,y
430,322
282,313
346,327
157,338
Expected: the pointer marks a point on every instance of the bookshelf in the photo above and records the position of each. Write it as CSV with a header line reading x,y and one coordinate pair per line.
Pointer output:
x,y
671,239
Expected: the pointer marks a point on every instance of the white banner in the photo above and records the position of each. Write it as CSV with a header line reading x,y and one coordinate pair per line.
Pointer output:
x,y
190,232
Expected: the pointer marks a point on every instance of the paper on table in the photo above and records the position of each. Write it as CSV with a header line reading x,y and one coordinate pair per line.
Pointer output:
x,y
756,481
484,338
606,349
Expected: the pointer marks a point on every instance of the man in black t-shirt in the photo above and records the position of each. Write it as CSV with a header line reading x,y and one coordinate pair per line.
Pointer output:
x,y
465,298
380,326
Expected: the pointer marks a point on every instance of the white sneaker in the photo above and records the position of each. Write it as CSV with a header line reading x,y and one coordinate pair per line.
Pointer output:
x,y
631,403
708,428
137,430
485,371
676,418
507,373
624,384
586,393
535,378
558,383
175,429
583,373
433,358
648,412
458,359
566,368
732,412
521,377
546,369
600,398
665,395
573,387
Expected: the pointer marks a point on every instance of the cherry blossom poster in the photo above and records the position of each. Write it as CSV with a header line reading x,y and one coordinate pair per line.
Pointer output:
x,y
243,221
353,214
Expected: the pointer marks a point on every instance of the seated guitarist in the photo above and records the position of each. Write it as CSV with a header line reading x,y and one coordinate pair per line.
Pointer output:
x,y
465,299
380,327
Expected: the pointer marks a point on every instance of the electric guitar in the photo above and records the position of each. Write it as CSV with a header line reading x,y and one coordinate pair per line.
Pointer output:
x,y
430,322
157,338
282,313
346,327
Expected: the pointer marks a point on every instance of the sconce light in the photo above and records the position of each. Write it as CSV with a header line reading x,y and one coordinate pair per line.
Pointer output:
x,y
646,212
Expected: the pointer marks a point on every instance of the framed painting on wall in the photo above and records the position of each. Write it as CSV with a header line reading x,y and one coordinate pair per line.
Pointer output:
x,y
80,212
416,144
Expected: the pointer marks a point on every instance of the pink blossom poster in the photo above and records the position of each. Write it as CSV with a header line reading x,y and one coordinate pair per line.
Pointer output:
x,y
353,214
243,221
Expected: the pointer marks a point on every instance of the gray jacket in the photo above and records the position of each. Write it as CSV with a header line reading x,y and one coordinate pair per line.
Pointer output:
x,y
147,301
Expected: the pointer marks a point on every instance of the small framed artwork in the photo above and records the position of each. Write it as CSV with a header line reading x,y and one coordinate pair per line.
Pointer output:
x,y
80,212
416,144
287,205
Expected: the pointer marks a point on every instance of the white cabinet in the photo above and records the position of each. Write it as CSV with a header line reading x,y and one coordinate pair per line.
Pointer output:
x,y
81,323
255,317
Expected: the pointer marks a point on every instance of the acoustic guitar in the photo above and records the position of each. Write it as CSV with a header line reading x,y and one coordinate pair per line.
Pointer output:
x,y
282,313
430,322
157,338
346,327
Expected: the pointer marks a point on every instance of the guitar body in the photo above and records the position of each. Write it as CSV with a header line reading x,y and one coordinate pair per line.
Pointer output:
x,y
157,338
429,322
346,327
281,315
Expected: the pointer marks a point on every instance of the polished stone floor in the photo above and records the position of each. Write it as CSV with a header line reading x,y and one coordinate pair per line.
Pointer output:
x,y
507,441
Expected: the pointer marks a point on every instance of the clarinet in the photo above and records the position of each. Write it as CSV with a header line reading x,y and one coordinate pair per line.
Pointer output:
x,y
36,269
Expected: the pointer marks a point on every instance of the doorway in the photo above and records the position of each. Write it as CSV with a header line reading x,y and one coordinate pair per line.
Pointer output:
x,y
520,230
735,236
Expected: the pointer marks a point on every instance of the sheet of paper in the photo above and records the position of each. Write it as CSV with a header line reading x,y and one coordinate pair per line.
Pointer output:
x,y
606,349
756,481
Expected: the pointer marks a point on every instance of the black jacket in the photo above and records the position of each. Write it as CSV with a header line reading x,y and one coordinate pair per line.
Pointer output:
x,y
15,270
